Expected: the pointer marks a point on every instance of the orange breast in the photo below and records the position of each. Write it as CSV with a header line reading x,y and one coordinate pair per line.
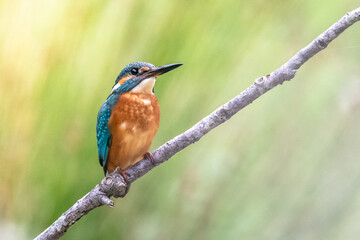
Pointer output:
x,y
133,124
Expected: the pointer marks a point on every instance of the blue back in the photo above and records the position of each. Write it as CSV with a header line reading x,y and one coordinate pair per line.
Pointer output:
x,y
103,133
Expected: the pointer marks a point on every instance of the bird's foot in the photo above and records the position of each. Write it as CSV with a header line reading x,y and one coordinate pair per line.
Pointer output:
x,y
125,176
149,156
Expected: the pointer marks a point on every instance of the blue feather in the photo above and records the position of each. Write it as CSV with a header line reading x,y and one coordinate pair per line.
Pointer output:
x,y
103,134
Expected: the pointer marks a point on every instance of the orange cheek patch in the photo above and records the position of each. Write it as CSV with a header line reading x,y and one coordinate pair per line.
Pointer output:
x,y
145,69
124,79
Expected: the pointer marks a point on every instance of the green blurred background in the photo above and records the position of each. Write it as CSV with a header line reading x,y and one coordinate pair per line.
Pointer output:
x,y
286,167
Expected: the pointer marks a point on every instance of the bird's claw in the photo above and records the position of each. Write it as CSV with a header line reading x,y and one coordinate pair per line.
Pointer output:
x,y
125,176
149,156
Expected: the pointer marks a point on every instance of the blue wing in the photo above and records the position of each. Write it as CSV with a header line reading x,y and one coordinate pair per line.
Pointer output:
x,y
103,134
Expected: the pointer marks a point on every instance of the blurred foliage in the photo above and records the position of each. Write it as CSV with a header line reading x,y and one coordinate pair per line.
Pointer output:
x,y
286,167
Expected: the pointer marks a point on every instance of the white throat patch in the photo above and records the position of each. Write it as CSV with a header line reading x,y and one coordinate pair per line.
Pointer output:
x,y
146,86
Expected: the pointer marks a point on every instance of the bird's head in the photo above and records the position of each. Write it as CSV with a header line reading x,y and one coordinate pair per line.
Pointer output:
x,y
140,77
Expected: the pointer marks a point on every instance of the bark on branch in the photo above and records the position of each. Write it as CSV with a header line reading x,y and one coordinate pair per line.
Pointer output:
x,y
114,184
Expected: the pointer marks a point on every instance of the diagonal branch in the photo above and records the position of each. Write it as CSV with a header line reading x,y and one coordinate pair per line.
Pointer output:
x,y
114,184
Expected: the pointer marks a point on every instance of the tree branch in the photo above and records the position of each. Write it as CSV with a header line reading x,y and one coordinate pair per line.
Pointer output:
x,y
114,184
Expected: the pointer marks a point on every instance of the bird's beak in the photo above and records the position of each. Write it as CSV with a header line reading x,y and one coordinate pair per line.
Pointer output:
x,y
156,71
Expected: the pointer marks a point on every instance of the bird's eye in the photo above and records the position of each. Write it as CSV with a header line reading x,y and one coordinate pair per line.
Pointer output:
x,y
134,71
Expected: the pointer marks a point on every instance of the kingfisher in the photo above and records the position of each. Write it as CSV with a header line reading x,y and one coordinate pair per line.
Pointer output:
x,y
129,118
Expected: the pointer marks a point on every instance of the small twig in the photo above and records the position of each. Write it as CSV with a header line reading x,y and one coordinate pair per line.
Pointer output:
x,y
114,184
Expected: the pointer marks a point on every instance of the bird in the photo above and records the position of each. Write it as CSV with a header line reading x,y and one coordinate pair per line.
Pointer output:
x,y
129,118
